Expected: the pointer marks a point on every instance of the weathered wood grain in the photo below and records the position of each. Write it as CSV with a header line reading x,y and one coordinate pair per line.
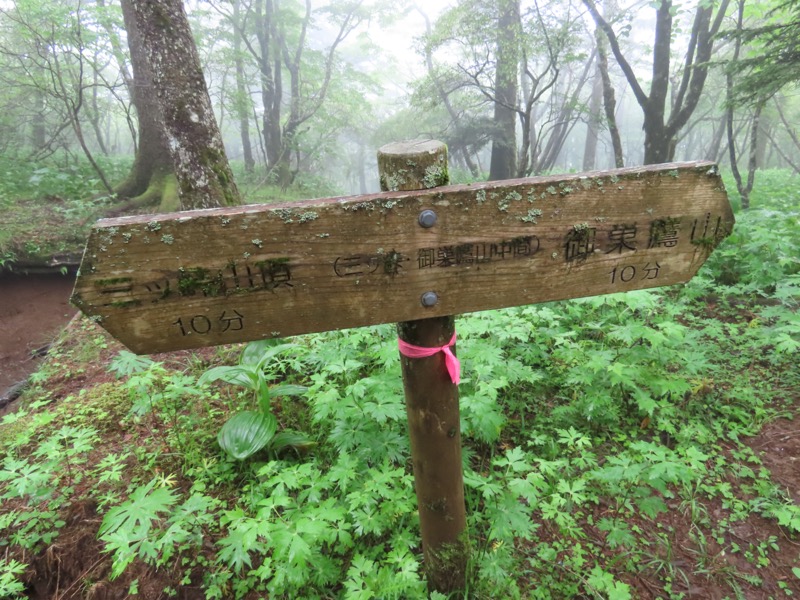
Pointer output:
x,y
217,276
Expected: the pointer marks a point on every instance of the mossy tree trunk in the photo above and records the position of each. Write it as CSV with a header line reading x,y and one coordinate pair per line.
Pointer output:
x,y
204,177
151,181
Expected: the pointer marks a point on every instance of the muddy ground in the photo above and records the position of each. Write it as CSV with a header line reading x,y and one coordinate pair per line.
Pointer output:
x,y
33,309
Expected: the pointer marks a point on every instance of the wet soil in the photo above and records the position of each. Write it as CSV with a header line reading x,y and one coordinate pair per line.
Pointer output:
x,y
33,310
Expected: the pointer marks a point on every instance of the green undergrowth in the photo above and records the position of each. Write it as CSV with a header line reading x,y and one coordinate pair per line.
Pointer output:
x,y
48,206
605,451
259,187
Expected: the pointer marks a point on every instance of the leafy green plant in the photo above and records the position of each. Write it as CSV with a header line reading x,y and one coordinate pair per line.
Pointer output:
x,y
247,432
58,176
126,363
10,585
126,528
154,526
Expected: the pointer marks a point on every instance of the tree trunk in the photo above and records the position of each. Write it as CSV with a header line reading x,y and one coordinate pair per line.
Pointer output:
x,y
95,112
362,169
592,123
744,189
609,101
764,129
713,151
151,179
269,64
660,133
74,104
193,138
564,124
504,138
38,129
242,92
445,97
112,33
656,141
792,134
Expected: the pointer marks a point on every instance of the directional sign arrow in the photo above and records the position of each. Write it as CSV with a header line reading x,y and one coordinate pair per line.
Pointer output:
x,y
208,277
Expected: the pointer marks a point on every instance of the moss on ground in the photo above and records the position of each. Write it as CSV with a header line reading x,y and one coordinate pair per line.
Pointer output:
x,y
47,232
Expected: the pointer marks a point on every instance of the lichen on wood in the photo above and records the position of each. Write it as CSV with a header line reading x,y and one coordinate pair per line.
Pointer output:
x,y
412,165
521,256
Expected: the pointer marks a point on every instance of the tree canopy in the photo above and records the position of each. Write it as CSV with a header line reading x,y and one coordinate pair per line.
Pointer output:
x,y
772,59
305,92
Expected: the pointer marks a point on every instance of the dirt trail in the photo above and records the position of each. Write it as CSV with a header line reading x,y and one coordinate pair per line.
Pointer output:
x,y
33,309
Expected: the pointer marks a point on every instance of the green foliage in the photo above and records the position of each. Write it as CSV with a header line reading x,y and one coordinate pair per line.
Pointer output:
x,y
763,252
149,526
493,49
62,177
10,585
773,59
39,482
255,190
247,432
126,528
127,363
50,206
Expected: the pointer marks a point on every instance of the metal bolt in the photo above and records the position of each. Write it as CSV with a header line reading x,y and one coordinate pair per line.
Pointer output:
x,y
429,298
427,218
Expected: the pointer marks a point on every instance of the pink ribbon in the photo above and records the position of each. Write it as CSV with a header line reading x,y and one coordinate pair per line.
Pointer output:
x,y
451,362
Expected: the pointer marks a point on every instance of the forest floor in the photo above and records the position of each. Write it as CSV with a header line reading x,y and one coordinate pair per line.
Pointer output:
x,y
76,566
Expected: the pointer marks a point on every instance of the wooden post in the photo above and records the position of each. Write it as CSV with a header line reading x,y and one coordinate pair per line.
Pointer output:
x,y
431,396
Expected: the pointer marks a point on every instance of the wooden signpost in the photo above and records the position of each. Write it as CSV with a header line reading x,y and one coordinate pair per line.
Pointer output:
x,y
410,256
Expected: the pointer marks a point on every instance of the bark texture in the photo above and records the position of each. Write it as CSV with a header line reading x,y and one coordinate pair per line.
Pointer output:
x,y
193,138
151,179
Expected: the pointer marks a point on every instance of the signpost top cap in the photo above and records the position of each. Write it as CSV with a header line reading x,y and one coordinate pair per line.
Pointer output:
x,y
413,165
413,147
